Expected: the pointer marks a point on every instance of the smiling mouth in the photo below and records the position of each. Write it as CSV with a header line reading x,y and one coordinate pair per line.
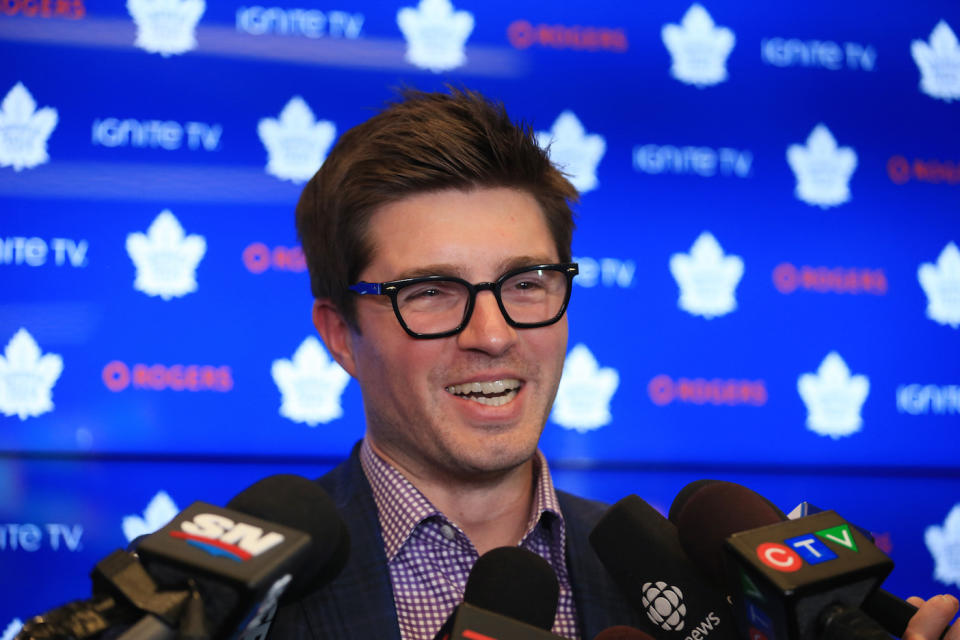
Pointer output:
x,y
493,393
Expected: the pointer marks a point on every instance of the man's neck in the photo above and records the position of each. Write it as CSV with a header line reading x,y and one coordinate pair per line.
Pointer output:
x,y
493,512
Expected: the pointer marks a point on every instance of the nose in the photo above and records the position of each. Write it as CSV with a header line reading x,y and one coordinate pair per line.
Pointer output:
x,y
487,330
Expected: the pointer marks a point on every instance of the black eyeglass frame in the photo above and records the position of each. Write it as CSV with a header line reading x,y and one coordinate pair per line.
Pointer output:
x,y
393,287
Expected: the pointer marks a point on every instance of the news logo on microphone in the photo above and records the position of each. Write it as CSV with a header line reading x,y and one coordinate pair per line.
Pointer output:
x,y
787,570
231,545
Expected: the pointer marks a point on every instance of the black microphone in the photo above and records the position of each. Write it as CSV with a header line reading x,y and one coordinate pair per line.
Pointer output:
x,y
640,549
804,578
621,632
211,572
511,593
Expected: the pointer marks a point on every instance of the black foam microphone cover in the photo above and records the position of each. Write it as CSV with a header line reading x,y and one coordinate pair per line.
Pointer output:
x,y
703,523
516,583
299,503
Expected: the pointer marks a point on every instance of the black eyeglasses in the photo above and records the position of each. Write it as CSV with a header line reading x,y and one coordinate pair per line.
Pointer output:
x,y
440,306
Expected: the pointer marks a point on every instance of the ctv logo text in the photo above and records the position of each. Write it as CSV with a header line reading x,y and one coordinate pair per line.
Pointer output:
x,y
790,556
220,536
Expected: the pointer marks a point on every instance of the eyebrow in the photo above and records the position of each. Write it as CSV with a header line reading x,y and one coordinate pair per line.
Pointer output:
x,y
447,269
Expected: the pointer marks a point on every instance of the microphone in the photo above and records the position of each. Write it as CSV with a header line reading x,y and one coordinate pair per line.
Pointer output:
x,y
641,551
278,537
511,593
804,578
621,632
215,572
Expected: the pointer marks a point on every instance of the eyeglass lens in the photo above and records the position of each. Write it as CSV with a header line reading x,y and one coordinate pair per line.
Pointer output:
x,y
438,306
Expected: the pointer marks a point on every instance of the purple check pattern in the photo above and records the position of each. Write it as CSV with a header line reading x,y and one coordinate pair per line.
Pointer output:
x,y
430,558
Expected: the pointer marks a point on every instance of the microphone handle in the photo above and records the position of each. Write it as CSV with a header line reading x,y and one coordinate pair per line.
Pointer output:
x,y
840,622
149,627
891,612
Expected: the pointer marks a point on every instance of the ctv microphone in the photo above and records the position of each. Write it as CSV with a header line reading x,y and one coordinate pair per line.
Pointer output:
x,y
214,572
511,594
799,579
640,549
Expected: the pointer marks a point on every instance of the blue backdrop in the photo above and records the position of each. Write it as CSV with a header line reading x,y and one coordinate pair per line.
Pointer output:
x,y
767,239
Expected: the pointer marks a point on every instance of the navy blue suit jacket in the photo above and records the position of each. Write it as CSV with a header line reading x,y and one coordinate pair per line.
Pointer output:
x,y
358,603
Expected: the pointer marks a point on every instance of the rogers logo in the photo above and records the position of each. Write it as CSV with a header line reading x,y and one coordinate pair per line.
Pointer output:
x,y
523,35
901,171
73,9
788,278
663,390
779,557
118,376
258,257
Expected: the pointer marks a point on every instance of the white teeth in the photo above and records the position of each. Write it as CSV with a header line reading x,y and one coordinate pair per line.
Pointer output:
x,y
487,387
495,401
493,393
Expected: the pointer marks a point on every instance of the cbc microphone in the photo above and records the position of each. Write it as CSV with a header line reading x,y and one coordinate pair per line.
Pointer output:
x,y
511,594
640,549
801,579
211,572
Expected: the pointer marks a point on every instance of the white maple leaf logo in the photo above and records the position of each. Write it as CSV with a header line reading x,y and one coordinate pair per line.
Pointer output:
x,y
573,150
822,169
12,629
939,63
436,34
585,391
166,27
24,130
941,283
833,398
27,377
310,384
944,545
166,258
296,143
707,278
698,47
160,510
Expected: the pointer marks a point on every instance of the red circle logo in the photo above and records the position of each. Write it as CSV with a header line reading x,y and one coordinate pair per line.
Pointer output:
x,y
779,557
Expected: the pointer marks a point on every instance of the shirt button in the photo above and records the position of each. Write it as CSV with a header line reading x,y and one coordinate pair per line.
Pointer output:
x,y
447,532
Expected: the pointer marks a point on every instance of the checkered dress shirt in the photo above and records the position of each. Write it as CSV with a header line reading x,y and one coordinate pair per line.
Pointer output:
x,y
430,558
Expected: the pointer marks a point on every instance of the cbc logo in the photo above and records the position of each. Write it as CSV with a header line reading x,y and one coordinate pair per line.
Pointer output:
x,y
664,604
779,557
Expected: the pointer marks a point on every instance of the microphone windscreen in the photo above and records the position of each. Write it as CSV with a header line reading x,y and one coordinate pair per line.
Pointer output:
x,y
711,513
299,503
622,633
516,583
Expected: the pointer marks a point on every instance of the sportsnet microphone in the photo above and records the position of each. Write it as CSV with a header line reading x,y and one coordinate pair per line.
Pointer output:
x,y
640,549
792,579
212,572
511,594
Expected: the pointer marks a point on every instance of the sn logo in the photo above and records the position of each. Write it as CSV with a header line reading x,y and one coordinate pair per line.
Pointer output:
x,y
247,538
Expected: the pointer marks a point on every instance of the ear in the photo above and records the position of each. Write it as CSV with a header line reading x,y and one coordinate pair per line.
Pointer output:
x,y
336,333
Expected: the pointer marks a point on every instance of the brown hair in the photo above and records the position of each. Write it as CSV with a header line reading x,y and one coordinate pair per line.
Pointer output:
x,y
422,142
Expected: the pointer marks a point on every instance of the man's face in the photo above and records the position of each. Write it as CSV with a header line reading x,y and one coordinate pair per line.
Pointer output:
x,y
418,413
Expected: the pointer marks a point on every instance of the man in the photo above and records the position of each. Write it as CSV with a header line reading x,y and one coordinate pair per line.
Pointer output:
x,y
437,236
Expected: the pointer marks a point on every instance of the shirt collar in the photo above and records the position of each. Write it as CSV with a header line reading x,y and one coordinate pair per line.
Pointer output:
x,y
401,507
